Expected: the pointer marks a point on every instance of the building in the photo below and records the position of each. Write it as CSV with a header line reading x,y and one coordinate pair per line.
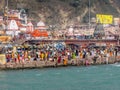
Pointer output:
x,y
41,26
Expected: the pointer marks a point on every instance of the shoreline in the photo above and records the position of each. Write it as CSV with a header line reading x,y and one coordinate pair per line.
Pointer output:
x,y
42,64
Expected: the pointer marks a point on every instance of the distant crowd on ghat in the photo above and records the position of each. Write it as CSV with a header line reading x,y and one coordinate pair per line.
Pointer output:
x,y
62,54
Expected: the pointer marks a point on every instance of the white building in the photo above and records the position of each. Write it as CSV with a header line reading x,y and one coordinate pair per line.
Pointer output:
x,y
13,28
41,25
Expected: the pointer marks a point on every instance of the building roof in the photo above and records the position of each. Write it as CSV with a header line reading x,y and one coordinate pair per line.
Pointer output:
x,y
38,33
40,23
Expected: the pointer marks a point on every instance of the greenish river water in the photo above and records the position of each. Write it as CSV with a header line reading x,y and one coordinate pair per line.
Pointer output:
x,y
101,77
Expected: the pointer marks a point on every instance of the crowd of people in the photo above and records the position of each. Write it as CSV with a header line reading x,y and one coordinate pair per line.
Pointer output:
x,y
60,53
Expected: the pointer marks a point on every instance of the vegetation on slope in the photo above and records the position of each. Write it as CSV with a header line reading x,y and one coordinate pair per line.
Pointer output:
x,y
64,12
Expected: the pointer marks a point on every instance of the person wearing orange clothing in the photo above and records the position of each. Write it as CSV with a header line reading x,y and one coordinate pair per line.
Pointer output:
x,y
42,56
111,53
18,58
65,61
81,55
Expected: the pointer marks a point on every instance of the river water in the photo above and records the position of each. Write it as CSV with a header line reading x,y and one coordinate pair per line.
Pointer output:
x,y
101,77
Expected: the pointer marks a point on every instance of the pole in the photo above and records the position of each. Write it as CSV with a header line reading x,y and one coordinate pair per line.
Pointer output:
x,y
89,13
89,16
7,16
118,35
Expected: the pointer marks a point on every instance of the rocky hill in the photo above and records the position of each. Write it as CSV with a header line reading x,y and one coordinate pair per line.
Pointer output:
x,y
61,13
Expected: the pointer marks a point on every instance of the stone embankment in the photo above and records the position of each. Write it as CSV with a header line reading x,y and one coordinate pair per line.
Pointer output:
x,y
46,64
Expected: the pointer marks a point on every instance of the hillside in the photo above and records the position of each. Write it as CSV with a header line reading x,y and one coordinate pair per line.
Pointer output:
x,y
64,12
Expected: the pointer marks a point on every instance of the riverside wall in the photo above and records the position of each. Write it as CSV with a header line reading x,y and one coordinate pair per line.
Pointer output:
x,y
48,64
